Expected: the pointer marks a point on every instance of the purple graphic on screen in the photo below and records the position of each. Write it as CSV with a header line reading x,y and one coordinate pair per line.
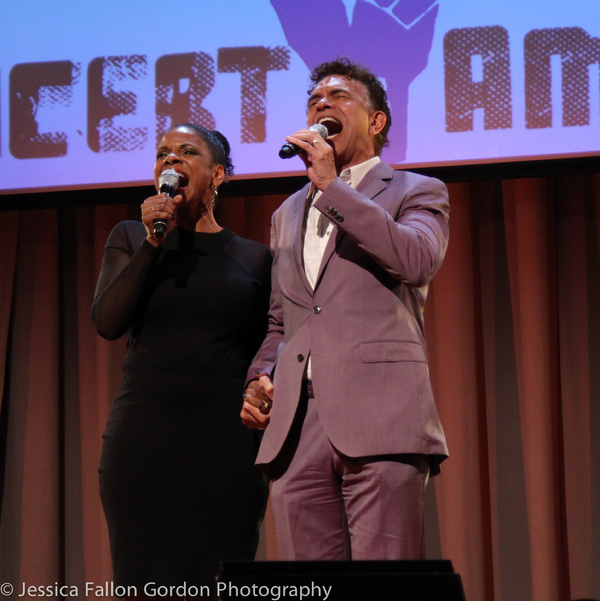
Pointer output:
x,y
393,43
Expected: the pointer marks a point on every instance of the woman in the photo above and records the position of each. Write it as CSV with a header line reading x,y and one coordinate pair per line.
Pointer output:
x,y
177,480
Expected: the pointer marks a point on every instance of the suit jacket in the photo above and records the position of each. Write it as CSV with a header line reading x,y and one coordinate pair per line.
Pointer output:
x,y
363,323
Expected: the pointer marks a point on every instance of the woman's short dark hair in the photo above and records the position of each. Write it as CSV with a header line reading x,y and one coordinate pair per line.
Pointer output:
x,y
217,144
377,94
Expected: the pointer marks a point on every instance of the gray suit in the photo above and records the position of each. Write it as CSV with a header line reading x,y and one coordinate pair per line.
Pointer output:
x,y
363,323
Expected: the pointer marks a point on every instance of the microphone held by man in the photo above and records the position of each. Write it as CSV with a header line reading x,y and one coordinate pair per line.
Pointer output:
x,y
289,150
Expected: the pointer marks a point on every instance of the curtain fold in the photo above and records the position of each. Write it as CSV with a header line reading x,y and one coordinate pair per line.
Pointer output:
x,y
528,215
514,340
8,253
457,380
30,538
578,268
99,378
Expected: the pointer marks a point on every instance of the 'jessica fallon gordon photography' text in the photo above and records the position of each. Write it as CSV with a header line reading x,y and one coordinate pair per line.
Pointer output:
x,y
151,589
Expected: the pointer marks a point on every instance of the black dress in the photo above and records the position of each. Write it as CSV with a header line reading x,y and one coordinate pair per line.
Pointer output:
x,y
177,477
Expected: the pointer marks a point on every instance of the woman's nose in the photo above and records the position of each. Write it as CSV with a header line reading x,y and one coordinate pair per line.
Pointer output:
x,y
171,159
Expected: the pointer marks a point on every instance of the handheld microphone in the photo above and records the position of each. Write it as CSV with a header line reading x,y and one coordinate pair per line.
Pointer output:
x,y
291,150
167,184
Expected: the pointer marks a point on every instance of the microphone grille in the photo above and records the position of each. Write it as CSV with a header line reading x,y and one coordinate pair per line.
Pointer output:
x,y
320,129
169,177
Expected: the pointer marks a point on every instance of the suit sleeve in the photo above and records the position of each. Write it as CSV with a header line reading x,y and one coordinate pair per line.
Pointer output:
x,y
408,237
265,358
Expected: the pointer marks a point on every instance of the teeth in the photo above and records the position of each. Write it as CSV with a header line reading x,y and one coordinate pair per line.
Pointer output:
x,y
333,125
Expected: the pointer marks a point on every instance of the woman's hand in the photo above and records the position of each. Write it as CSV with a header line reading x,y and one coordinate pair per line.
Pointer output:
x,y
161,206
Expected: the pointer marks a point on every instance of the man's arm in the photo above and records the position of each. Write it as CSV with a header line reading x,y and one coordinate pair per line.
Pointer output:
x,y
258,396
409,245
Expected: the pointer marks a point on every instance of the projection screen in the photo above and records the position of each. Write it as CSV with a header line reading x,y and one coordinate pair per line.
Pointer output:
x,y
87,88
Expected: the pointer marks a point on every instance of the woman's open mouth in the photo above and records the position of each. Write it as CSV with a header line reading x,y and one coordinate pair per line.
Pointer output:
x,y
183,182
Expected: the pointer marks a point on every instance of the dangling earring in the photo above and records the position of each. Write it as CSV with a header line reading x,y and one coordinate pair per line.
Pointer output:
x,y
214,198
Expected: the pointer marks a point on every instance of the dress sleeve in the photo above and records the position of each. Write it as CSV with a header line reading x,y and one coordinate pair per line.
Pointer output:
x,y
266,356
127,259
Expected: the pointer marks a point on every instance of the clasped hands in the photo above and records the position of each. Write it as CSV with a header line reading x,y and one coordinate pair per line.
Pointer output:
x,y
258,399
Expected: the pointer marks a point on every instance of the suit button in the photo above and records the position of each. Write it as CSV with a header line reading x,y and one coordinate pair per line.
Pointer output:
x,y
330,209
317,310
300,358
340,218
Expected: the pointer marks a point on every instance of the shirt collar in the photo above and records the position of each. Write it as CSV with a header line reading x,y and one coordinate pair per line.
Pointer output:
x,y
353,175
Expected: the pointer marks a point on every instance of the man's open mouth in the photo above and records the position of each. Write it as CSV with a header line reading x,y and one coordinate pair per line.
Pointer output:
x,y
333,126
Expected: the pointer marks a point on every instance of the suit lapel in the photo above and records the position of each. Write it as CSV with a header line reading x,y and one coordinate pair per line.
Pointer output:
x,y
332,244
299,210
376,180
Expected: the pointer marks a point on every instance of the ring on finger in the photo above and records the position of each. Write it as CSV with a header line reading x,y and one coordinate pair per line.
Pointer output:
x,y
314,142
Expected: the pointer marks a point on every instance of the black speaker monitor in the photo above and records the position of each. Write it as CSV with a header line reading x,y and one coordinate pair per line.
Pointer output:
x,y
427,580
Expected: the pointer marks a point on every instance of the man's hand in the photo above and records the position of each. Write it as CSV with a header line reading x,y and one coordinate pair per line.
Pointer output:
x,y
258,400
317,156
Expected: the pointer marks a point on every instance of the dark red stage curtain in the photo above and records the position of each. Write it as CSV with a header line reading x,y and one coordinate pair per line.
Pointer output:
x,y
514,336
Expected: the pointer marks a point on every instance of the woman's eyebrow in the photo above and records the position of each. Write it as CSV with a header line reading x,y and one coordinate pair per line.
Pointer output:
x,y
181,146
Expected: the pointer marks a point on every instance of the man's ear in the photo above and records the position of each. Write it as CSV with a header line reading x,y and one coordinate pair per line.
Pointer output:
x,y
377,121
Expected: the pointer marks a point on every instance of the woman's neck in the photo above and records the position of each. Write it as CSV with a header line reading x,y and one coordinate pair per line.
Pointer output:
x,y
206,223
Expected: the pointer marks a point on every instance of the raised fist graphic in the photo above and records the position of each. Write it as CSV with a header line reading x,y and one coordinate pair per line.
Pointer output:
x,y
391,37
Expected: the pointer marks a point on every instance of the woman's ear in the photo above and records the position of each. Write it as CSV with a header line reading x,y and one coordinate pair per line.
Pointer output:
x,y
218,176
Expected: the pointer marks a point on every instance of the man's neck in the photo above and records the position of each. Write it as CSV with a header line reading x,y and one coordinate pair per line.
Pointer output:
x,y
354,163
354,175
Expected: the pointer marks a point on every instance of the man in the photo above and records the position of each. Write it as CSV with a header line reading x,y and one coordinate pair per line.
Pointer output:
x,y
353,433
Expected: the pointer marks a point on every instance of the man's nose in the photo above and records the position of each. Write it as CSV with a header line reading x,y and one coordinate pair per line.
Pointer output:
x,y
323,103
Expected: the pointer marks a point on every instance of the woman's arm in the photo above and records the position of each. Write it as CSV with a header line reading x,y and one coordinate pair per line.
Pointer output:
x,y
127,259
